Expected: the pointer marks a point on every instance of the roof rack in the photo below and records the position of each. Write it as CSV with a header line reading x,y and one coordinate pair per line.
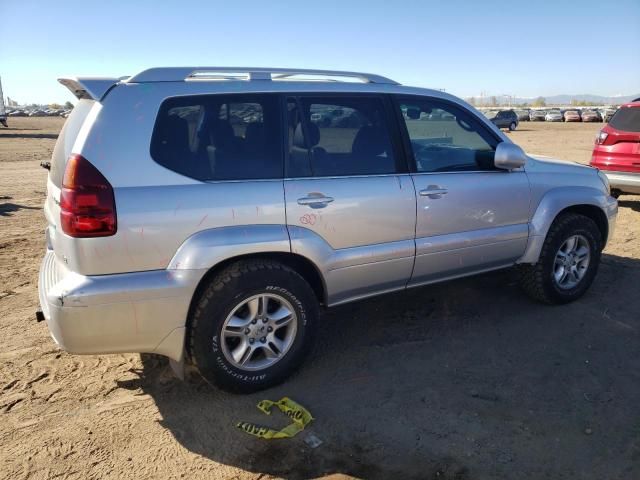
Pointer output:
x,y
178,74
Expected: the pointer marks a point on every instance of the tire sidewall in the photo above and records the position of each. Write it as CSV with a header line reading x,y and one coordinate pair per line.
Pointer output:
x,y
209,319
587,228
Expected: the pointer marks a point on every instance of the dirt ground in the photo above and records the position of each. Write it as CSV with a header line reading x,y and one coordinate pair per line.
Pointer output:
x,y
466,380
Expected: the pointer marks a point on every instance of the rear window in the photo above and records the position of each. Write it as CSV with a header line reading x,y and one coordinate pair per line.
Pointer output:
x,y
626,119
220,137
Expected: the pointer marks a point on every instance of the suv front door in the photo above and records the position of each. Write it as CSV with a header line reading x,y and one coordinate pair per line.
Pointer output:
x,y
350,202
471,216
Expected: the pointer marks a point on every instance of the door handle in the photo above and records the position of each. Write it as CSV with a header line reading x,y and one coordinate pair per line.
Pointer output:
x,y
315,201
433,191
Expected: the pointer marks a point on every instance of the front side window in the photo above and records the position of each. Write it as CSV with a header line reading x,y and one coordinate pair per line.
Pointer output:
x,y
446,138
220,137
338,136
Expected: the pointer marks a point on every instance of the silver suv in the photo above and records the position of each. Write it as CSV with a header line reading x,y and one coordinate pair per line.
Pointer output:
x,y
205,214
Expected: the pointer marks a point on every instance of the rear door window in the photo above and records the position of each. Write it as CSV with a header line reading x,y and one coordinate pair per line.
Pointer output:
x,y
626,119
339,136
220,137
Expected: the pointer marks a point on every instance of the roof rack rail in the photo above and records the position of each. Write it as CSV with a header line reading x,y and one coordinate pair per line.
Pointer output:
x,y
177,74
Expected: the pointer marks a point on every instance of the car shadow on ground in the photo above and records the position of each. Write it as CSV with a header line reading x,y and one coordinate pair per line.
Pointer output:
x,y
28,135
466,379
633,205
8,209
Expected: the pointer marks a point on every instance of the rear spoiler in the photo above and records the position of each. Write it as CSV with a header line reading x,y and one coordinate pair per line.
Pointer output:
x,y
91,88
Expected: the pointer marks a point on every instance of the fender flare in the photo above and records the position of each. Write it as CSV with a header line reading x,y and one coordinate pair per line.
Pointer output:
x,y
552,204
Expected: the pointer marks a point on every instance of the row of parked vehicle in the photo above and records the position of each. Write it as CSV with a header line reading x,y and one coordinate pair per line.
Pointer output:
x,y
567,115
50,112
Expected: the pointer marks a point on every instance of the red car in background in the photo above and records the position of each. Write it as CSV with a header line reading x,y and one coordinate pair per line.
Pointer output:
x,y
572,116
617,150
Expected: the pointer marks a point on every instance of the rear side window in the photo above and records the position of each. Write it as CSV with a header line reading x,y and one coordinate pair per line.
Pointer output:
x,y
220,137
626,119
338,136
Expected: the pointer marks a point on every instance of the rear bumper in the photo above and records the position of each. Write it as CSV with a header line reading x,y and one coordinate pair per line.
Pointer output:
x,y
623,181
131,312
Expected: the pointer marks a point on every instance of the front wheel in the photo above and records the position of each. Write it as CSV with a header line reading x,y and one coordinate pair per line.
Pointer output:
x,y
568,261
252,326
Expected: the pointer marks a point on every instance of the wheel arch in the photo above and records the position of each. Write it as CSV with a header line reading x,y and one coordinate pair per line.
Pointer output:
x,y
300,264
587,201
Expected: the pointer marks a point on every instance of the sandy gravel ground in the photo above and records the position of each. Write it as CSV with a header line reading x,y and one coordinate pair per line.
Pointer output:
x,y
464,380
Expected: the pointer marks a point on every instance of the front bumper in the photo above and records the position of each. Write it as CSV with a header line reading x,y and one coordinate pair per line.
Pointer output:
x,y
624,181
122,313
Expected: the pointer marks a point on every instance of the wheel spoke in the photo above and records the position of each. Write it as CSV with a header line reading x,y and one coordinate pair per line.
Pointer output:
x,y
242,353
570,244
236,323
282,316
274,348
582,253
253,305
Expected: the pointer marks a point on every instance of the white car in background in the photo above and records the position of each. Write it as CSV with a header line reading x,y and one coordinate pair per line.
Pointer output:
x,y
553,116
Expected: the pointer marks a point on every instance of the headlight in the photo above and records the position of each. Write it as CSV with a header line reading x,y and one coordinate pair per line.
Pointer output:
x,y
605,181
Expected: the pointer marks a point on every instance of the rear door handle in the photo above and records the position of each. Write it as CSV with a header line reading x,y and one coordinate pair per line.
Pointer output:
x,y
433,191
315,201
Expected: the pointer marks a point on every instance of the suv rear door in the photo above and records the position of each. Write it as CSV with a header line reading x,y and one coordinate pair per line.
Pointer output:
x,y
350,202
470,216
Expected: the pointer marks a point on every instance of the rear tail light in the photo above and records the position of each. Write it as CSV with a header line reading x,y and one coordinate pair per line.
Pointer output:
x,y
601,137
87,204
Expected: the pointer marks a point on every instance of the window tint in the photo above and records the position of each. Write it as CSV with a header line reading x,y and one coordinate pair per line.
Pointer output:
x,y
626,119
220,137
337,136
446,138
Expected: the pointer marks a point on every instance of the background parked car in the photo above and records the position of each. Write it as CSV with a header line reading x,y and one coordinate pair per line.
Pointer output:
x,y
591,116
505,119
572,116
553,116
617,150
607,113
537,115
523,115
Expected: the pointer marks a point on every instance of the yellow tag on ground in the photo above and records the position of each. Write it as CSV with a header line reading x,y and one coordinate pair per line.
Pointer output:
x,y
296,412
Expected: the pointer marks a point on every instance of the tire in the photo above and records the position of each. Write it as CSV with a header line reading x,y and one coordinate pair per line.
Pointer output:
x,y
512,127
234,291
616,194
540,282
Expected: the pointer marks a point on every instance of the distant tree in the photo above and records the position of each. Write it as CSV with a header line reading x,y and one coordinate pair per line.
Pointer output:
x,y
539,102
472,101
68,105
493,101
55,106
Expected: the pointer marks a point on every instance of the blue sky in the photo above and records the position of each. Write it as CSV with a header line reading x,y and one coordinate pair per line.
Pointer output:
x,y
523,48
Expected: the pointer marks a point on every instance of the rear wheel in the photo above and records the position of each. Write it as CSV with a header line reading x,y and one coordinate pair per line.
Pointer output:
x,y
252,326
512,127
568,261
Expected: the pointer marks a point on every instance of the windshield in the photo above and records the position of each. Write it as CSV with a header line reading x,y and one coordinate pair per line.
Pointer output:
x,y
490,114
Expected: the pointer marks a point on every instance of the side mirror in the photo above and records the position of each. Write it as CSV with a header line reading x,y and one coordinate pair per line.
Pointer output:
x,y
509,156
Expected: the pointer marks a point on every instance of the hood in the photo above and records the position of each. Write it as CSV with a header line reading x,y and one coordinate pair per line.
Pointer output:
x,y
541,163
